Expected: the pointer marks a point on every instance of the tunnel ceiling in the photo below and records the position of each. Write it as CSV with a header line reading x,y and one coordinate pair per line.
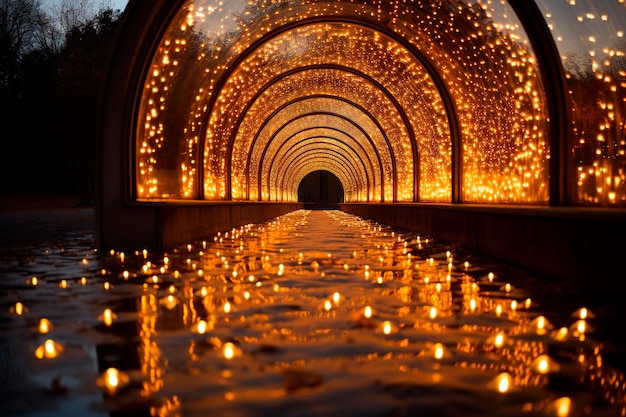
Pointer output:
x,y
400,100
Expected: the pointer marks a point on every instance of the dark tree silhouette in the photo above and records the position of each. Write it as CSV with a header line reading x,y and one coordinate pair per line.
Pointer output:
x,y
48,92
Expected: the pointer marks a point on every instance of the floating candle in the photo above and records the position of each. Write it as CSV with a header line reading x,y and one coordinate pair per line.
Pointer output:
x,y
544,364
49,350
113,380
229,350
44,325
503,382
107,316
387,327
19,308
438,351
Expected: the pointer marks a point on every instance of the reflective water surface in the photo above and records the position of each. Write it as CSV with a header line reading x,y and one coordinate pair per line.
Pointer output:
x,y
313,313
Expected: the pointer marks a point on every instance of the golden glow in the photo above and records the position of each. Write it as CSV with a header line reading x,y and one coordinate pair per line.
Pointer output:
x,y
44,325
107,316
229,350
504,382
112,380
264,104
330,331
19,308
49,350
438,351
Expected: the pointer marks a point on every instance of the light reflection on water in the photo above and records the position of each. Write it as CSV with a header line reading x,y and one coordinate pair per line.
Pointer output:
x,y
312,313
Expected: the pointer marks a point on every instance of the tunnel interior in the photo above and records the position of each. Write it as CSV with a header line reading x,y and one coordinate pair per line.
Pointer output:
x,y
214,112
320,190
440,101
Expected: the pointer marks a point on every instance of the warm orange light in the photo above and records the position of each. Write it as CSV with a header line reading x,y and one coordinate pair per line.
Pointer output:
x,y
113,380
229,350
107,316
49,350
44,325
438,351
387,327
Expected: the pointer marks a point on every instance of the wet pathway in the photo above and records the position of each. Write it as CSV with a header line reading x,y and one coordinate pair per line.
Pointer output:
x,y
314,313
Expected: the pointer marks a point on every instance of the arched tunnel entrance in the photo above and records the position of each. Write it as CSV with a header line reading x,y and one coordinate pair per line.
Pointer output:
x,y
473,125
320,189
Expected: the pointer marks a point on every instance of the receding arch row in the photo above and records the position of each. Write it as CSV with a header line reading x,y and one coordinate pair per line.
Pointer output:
x,y
399,110
311,163
349,142
406,121
334,151
233,80
321,119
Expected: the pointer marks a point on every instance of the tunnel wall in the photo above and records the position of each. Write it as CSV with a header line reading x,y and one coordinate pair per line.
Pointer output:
x,y
566,242
162,226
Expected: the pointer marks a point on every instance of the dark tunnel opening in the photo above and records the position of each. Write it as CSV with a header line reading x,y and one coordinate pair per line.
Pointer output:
x,y
321,190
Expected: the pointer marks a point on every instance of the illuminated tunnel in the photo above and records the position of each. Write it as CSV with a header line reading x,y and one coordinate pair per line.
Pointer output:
x,y
494,124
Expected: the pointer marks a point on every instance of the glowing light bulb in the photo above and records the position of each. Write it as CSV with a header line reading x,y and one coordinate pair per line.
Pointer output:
x,y
367,312
432,313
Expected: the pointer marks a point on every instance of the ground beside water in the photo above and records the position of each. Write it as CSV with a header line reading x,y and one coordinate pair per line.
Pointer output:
x,y
272,319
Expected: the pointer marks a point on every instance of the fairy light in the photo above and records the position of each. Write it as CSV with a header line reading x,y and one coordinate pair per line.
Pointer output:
x,y
511,141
